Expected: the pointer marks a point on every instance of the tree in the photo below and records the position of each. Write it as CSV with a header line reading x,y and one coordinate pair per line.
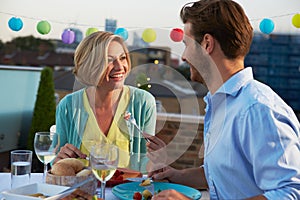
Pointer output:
x,y
1,45
45,106
44,112
30,43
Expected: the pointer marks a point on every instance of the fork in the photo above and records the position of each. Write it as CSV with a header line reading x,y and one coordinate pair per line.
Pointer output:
x,y
133,122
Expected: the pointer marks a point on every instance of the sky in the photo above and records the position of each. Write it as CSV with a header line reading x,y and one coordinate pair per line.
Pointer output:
x,y
134,15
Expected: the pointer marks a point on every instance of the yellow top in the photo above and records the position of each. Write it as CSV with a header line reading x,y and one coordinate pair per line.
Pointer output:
x,y
93,134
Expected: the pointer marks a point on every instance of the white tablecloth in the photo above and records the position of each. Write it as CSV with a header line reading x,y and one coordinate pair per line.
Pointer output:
x,y
37,178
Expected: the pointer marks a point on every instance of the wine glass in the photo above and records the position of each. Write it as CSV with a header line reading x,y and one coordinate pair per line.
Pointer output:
x,y
104,159
46,147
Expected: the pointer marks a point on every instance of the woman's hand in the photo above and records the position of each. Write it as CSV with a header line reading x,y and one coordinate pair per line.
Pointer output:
x,y
69,151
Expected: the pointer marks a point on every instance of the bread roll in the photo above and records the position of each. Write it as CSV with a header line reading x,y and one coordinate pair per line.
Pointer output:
x,y
76,164
62,169
67,167
84,172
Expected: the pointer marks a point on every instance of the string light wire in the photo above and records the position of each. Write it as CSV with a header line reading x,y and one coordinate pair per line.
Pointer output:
x,y
89,25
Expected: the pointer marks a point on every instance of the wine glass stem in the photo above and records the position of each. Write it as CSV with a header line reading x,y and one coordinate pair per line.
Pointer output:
x,y
103,183
45,172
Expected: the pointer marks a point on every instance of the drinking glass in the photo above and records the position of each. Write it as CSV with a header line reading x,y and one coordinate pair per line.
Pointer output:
x,y
104,159
46,147
20,167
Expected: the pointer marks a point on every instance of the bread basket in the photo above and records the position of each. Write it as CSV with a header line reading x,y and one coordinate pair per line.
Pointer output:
x,y
89,187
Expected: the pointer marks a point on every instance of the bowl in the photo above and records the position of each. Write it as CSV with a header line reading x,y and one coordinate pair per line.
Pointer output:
x,y
24,191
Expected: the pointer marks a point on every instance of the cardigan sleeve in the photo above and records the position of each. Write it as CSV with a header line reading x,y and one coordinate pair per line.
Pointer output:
x,y
62,122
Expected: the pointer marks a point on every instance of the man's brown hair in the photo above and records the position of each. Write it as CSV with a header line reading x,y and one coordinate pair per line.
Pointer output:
x,y
225,20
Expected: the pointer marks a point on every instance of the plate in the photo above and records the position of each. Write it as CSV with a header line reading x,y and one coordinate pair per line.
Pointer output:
x,y
125,191
22,192
121,176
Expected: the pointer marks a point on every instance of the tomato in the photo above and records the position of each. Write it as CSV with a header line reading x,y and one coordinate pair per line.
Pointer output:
x,y
137,196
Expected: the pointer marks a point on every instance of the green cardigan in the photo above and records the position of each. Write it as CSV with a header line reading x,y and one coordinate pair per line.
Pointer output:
x,y
71,118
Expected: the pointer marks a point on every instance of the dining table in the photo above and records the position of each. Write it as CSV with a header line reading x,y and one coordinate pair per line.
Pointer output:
x,y
38,178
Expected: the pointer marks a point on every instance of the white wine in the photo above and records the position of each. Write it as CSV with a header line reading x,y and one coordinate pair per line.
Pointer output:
x,y
45,157
104,172
20,168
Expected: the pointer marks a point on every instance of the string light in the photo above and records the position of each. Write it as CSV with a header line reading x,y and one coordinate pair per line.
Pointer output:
x,y
149,35
266,26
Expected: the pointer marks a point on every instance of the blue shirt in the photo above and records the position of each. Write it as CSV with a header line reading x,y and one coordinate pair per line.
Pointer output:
x,y
251,139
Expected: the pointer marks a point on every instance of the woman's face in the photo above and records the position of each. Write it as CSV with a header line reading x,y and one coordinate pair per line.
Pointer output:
x,y
117,68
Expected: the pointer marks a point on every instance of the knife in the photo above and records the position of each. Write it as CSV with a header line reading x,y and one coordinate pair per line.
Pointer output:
x,y
138,179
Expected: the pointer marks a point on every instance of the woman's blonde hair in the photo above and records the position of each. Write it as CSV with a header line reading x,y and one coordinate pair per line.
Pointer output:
x,y
91,59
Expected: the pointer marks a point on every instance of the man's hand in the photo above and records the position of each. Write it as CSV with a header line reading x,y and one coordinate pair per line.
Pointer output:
x,y
167,173
69,151
157,153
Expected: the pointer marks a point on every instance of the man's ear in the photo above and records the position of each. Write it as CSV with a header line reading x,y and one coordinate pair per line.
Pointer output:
x,y
209,43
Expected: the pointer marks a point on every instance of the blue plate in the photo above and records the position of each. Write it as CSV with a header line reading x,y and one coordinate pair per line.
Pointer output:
x,y
125,191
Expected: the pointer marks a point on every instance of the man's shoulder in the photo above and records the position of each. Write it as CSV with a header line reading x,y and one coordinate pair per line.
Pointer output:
x,y
260,96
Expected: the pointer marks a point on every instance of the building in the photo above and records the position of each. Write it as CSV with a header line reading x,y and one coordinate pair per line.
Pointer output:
x,y
110,25
275,60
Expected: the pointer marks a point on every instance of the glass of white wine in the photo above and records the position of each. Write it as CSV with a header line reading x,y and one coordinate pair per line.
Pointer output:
x,y
104,159
46,147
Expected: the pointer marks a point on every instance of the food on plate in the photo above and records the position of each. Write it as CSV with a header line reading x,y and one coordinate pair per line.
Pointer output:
x,y
121,175
118,175
145,182
137,196
67,167
39,195
79,194
147,194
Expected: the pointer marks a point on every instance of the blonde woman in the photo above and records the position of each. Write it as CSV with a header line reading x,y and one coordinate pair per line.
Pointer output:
x,y
95,114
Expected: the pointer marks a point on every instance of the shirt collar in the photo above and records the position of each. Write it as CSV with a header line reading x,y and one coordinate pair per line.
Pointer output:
x,y
234,83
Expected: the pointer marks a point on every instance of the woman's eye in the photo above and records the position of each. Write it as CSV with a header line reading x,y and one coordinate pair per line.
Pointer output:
x,y
123,58
110,60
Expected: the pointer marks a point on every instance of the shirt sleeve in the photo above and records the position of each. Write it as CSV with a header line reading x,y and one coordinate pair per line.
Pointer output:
x,y
271,145
62,122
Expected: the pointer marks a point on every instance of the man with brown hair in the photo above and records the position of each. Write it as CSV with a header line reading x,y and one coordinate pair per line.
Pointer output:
x,y
251,136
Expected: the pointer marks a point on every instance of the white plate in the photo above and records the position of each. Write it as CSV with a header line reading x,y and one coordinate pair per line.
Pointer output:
x,y
22,192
